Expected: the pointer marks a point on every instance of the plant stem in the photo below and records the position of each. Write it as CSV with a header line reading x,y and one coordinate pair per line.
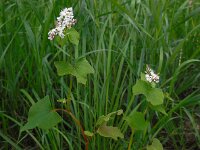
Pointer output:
x,y
79,124
69,94
131,140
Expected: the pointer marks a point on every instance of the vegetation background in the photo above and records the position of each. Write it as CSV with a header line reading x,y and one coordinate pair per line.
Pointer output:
x,y
118,37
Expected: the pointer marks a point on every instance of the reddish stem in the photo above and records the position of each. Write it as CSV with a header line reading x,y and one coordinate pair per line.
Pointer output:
x,y
79,124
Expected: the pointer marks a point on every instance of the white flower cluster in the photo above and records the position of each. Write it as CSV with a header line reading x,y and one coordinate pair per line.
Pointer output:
x,y
65,20
151,76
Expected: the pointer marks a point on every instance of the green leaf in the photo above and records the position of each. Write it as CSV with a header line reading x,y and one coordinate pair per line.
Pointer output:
x,y
83,68
102,119
156,145
62,41
88,133
137,121
153,95
142,75
64,68
41,115
80,69
141,87
109,131
73,36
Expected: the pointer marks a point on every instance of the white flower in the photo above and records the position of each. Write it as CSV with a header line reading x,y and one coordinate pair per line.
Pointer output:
x,y
151,76
148,77
65,20
60,30
52,33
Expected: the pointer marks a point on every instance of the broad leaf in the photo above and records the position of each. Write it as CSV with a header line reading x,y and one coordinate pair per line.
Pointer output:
x,y
73,36
64,68
80,69
102,119
109,131
62,41
156,145
137,121
153,95
41,115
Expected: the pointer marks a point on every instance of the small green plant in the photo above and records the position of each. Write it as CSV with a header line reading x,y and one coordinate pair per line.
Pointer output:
x,y
104,130
154,97
44,116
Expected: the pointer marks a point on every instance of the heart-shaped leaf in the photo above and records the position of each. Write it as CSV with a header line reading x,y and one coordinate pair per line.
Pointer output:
x,y
83,68
64,68
153,95
80,69
156,145
73,36
41,115
109,131
137,121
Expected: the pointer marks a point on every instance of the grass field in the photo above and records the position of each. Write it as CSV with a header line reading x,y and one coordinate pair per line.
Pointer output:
x,y
118,38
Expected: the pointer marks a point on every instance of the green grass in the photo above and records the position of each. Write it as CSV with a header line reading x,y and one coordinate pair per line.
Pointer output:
x,y
118,38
